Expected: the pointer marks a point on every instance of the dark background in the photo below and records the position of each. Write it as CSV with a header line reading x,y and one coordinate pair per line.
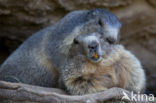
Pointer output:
x,y
21,18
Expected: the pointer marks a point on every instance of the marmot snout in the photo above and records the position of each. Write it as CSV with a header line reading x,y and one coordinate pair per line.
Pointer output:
x,y
90,45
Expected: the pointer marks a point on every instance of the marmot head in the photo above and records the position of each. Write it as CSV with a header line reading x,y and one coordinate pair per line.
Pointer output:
x,y
92,38
91,46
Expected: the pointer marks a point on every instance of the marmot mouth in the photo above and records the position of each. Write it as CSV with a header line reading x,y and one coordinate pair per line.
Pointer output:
x,y
96,57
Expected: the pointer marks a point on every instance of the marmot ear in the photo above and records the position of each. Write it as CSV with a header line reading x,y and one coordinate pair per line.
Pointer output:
x,y
75,41
100,23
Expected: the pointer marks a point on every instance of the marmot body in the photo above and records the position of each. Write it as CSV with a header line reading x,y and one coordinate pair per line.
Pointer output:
x,y
72,51
119,68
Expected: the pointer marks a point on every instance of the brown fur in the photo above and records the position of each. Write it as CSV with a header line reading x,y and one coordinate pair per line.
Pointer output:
x,y
119,69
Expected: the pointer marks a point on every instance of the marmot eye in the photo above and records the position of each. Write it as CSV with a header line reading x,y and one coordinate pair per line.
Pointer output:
x,y
110,40
75,41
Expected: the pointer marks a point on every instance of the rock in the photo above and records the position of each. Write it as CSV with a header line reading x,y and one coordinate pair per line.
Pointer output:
x,y
20,18
139,35
152,2
89,4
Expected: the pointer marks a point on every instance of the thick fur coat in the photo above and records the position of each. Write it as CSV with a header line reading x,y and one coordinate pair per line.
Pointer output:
x,y
77,54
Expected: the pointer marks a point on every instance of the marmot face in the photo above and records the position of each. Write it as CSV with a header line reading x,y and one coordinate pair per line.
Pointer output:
x,y
92,46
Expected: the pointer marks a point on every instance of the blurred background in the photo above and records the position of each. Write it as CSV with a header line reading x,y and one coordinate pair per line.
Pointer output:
x,y
21,18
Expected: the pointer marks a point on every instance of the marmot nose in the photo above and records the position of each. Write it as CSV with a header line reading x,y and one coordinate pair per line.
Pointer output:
x,y
93,46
